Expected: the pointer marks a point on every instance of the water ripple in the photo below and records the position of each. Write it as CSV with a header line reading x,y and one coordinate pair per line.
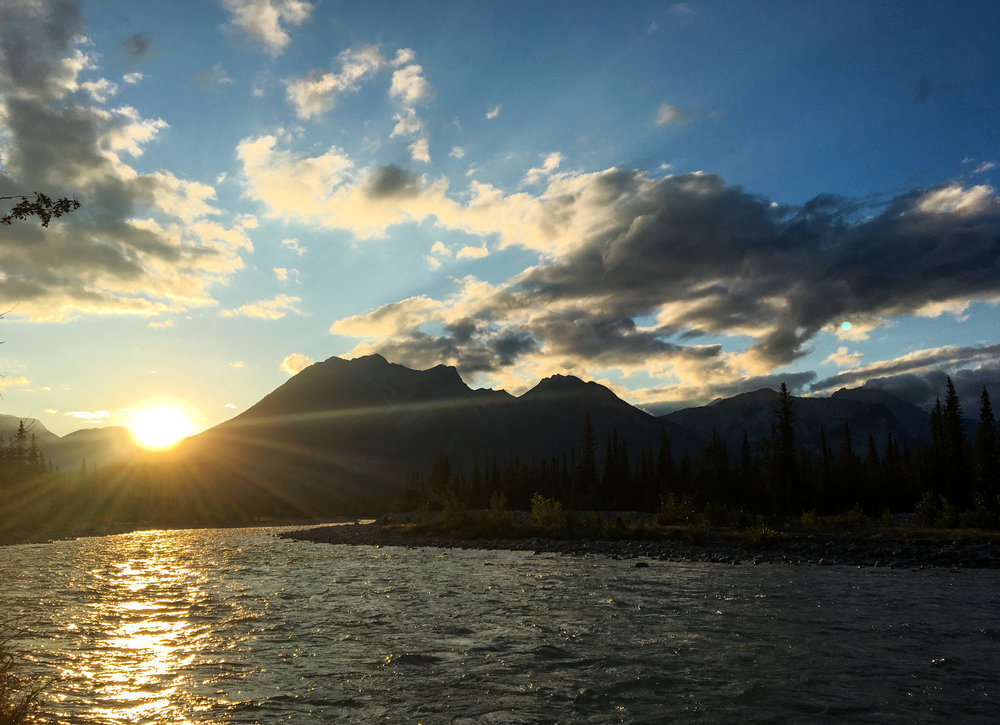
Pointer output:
x,y
240,626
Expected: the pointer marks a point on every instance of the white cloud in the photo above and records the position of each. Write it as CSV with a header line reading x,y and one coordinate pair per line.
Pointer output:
x,y
954,199
420,150
407,123
281,273
262,20
538,174
132,78
318,90
433,263
231,406
667,114
161,324
843,358
89,415
439,248
473,252
409,86
236,364
295,363
388,319
984,167
457,152
273,309
493,112
293,246
19,382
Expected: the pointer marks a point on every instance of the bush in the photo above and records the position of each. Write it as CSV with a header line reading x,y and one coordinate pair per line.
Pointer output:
x,y
499,516
761,536
674,510
19,696
547,513
935,511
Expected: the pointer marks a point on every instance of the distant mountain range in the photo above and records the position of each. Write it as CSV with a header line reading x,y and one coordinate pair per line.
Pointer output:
x,y
345,430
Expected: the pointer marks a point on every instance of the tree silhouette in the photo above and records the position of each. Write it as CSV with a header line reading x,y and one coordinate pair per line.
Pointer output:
x,y
42,206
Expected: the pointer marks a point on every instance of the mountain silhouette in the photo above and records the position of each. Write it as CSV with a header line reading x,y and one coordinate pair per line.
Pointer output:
x,y
343,434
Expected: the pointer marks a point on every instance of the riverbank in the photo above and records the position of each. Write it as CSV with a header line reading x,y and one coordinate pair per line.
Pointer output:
x,y
889,547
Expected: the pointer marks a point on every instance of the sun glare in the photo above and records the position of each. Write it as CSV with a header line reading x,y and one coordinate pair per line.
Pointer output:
x,y
161,426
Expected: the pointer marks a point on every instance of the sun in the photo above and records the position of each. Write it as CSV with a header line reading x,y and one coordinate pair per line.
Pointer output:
x,y
160,426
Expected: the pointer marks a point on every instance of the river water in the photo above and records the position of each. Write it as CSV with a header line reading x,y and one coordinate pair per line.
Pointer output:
x,y
237,625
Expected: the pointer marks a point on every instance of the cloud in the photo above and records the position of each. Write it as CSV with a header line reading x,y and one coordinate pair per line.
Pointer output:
x,y
667,115
409,86
407,123
844,359
317,92
473,252
93,416
161,324
6,383
420,150
273,309
295,363
132,78
137,47
539,174
143,243
984,167
293,246
263,20
493,112
922,363
698,258
231,406
281,273
457,152
237,364
211,77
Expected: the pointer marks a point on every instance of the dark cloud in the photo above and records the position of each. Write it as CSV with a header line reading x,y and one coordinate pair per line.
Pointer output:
x,y
59,138
26,37
701,259
137,47
733,261
390,181
920,378
797,384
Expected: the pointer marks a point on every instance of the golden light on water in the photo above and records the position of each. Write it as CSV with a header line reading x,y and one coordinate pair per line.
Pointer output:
x,y
139,669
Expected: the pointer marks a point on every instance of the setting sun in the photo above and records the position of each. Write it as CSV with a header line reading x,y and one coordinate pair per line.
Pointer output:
x,y
161,426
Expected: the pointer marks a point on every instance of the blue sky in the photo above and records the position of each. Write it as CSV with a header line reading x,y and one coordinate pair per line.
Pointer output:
x,y
681,201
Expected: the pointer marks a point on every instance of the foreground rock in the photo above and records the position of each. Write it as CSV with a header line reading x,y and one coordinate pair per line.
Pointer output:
x,y
896,549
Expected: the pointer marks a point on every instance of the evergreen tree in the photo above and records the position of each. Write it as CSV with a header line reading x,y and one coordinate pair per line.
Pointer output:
x,y
587,465
986,457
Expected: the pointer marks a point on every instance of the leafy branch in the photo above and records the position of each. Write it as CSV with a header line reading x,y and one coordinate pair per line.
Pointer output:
x,y
42,206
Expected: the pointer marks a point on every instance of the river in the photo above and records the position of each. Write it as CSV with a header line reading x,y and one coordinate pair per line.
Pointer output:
x,y
240,626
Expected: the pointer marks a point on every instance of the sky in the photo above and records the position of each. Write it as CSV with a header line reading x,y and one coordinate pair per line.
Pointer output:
x,y
682,201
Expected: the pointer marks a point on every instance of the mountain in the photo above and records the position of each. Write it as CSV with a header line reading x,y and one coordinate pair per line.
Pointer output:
x,y
348,430
343,434
90,447
9,425
866,411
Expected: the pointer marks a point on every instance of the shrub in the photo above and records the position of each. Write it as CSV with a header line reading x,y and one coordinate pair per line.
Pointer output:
x,y
19,696
760,536
547,513
674,510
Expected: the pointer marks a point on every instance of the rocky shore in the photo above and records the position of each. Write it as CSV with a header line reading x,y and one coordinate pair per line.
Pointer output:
x,y
893,549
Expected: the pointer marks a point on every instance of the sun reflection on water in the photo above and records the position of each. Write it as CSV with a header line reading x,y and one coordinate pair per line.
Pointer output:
x,y
141,612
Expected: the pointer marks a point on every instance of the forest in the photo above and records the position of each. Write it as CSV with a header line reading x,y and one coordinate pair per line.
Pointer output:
x,y
954,480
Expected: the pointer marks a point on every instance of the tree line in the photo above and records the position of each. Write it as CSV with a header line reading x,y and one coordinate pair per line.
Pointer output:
x,y
951,479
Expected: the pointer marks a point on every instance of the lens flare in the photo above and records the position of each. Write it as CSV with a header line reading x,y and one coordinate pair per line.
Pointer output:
x,y
160,426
